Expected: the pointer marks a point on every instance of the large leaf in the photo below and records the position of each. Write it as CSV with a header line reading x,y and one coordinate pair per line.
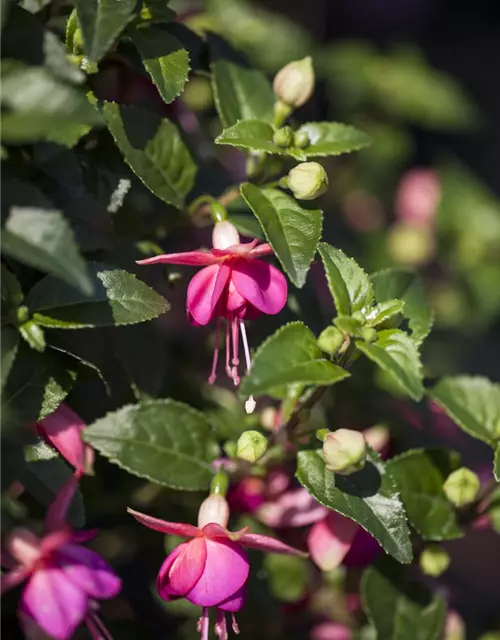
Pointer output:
x,y
396,354
241,93
293,232
165,441
332,139
154,150
165,59
101,22
290,356
419,475
369,497
402,283
473,402
43,239
400,609
349,285
118,298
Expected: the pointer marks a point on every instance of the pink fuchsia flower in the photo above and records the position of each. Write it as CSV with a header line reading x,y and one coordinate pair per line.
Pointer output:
x,y
329,630
212,568
63,579
63,430
417,197
234,285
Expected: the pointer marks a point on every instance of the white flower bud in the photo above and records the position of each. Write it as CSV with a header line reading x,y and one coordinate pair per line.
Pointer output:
x,y
214,509
294,83
224,235
307,181
344,451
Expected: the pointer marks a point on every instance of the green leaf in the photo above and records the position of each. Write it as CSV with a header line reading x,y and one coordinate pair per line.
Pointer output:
x,y
384,311
157,11
292,232
419,475
349,285
119,298
473,402
287,576
44,240
154,150
333,139
399,609
101,22
163,440
396,354
241,93
369,497
350,325
33,335
404,284
12,293
9,346
246,224
39,451
496,463
289,356
165,59
256,135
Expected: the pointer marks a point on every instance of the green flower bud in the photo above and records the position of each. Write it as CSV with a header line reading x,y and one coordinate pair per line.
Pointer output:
x,y
294,83
434,560
359,317
251,446
307,181
330,340
301,139
461,487
283,137
344,451
368,334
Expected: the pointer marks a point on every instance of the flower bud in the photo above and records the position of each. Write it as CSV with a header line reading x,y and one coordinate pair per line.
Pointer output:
x,y
330,340
368,334
283,137
301,139
434,560
461,487
344,451
214,509
294,83
251,446
224,235
307,181
410,245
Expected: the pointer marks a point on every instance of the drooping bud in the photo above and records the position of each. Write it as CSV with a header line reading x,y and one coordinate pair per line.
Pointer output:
x,y
330,340
344,451
283,137
434,560
461,487
224,235
294,83
301,139
307,181
251,446
214,509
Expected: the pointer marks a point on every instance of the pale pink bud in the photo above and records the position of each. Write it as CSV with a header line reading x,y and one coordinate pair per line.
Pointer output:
x,y
214,509
418,196
225,235
294,83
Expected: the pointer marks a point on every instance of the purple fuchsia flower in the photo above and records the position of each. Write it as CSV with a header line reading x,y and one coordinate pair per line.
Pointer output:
x,y
212,568
63,579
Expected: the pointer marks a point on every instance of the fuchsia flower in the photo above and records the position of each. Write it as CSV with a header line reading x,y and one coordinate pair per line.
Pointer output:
x,y
234,285
418,196
212,568
63,430
64,579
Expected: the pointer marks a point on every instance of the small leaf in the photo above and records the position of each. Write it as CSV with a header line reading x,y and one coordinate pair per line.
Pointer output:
x,y
419,475
349,285
9,346
333,138
165,441
496,463
119,298
33,335
154,150
399,609
44,240
289,356
241,93
165,59
256,135
101,22
396,354
293,232
473,402
404,284
368,497
384,311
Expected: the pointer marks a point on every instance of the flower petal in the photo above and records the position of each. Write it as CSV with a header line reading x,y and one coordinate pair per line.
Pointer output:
x,y
266,543
261,284
172,528
235,602
330,540
264,249
55,518
88,571
162,580
54,603
226,571
188,567
194,258
364,550
205,290
294,508
63,429
12,578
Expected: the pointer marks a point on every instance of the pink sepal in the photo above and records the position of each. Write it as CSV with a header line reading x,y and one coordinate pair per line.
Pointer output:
x,y
266,543
172,528
193,258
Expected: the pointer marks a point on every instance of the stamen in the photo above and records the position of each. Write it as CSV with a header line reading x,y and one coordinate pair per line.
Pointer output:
x,y
203,622
228,349
213,374
221,626
97,628
234,624
250,404
235,361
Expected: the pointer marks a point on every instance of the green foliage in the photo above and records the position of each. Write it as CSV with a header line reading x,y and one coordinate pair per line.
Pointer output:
x,y
287,577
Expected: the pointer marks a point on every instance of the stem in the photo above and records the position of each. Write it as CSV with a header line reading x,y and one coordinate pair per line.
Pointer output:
x,y
478,507
198,212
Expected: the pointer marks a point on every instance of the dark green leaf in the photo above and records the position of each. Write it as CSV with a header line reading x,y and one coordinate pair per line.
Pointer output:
x,y
154,150
9,346
287,576
157,11
118,298
241,93
256,135
396,354
333,138
292,232
44,240
289,356
369,497
12,293
473,402
246,224
165,59
349,285
404,284
384,311
419,475
101,22
399,609
165,441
